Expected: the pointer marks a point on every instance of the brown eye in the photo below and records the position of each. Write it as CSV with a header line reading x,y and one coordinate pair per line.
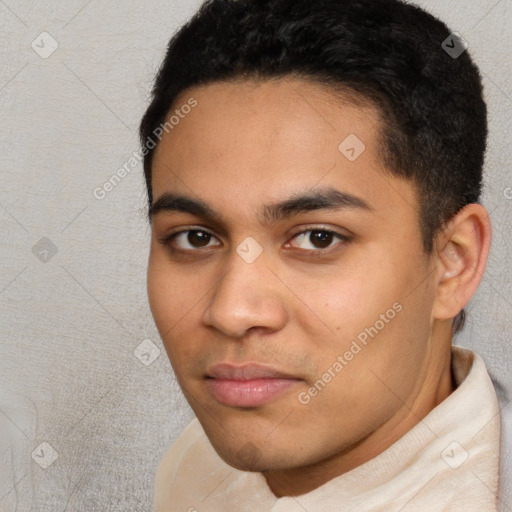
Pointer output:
x,y
198,238
189,240
318,239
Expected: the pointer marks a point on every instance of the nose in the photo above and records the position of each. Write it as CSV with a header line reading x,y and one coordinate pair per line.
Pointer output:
x,y
248,295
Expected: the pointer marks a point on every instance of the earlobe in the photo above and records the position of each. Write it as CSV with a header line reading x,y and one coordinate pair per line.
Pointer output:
x,y
462,252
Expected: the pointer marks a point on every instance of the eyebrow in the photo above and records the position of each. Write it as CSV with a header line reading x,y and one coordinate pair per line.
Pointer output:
x,y
323,199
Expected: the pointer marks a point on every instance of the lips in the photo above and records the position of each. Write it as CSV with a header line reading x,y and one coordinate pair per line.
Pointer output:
x,y
250,385
246,372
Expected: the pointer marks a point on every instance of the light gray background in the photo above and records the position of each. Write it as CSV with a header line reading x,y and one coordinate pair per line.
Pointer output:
x,y
69,326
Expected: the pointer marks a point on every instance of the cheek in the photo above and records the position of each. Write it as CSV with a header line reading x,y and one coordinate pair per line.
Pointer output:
x,y
378,316
175,298
167,296
158,290
385,341
349,304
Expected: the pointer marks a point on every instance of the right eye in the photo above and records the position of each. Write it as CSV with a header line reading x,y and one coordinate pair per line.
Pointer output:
x,y
194,238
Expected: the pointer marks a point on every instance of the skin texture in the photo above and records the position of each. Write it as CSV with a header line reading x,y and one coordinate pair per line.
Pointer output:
x,y
248,144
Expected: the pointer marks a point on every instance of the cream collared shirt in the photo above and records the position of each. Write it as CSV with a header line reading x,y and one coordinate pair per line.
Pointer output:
x,y
448,462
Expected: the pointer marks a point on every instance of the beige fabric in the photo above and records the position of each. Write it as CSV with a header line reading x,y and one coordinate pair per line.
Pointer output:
x,y
448,462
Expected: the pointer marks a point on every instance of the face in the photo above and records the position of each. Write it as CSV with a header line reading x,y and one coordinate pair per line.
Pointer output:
x,y
332,293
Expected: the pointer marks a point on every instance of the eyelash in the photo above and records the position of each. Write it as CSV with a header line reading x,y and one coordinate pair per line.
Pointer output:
x,y
168,239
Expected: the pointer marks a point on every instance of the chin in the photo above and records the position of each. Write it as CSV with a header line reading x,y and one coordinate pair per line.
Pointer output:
x,y
250,458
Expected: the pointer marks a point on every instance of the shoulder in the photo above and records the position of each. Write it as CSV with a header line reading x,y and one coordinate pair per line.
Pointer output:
x,y
170,462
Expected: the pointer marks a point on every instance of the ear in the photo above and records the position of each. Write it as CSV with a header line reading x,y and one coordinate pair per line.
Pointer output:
x,y
461,252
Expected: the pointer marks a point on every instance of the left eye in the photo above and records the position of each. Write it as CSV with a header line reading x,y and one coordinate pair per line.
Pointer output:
x,y
318,239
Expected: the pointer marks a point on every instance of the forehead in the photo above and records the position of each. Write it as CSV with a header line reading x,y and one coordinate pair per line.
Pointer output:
x,y
246,143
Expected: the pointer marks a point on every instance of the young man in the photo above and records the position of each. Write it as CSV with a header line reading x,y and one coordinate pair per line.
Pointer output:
x,y
313,173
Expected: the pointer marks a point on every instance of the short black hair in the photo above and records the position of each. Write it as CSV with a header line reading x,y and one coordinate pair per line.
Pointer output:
x,y
387,51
